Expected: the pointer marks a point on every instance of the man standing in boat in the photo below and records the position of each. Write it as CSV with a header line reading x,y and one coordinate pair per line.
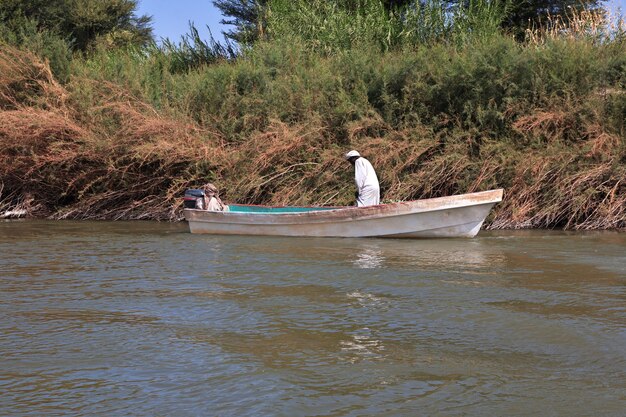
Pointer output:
x,y
368,189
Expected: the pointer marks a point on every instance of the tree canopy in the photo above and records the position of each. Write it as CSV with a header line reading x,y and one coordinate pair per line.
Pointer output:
x,y
83,22
245,15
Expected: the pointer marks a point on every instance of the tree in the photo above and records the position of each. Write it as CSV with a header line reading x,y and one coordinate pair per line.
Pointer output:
x,y
246,16
83,22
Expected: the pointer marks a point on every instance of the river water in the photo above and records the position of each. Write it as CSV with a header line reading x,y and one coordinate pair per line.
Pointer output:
x,y
145,319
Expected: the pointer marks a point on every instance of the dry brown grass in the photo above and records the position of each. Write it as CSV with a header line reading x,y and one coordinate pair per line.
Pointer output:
x,y
593,24
124,161
549,193
26,80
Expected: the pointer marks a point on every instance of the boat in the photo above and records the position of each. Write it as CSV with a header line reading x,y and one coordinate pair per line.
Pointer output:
x,y
455,216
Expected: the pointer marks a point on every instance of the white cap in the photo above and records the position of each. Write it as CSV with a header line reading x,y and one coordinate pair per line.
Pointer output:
x,y
351,154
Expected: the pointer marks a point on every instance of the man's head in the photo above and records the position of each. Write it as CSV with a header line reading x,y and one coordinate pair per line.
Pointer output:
x,y
210,190
352,156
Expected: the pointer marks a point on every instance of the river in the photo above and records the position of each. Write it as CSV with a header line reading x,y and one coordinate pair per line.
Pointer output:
x,y
145,319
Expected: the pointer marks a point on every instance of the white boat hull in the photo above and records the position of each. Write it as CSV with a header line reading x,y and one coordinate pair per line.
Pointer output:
x,y
455,216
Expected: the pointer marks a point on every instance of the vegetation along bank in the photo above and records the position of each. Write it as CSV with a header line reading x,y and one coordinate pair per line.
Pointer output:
x,y
441,100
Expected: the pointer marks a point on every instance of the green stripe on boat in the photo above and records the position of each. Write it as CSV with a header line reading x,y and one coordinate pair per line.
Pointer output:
x,y
275,210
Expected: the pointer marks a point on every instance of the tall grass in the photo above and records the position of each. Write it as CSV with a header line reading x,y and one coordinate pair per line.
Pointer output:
x,y
333,26
328,26
599,26
193,52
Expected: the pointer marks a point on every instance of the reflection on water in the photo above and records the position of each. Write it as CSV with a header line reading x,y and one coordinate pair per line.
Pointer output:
x,y
362,346
369,258
452,254
146,319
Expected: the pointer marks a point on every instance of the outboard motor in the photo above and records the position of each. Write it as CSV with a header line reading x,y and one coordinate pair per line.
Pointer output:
x,y
194,199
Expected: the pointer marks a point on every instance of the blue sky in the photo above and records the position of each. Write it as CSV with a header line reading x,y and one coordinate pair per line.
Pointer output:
x,y
170,18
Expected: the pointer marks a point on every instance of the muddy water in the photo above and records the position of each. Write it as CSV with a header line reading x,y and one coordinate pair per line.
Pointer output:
x,y
144,319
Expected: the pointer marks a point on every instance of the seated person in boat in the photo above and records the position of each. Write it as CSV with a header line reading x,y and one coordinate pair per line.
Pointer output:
x,y
368,189
212,201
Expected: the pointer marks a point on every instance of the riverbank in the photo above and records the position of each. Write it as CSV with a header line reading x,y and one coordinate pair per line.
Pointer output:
x,y
129,132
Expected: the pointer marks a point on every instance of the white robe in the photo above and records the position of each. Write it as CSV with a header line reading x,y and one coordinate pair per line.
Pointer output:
x,y
215,205
366,182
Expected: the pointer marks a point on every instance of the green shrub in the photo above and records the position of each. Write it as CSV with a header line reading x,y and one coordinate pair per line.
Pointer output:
x,y
45,43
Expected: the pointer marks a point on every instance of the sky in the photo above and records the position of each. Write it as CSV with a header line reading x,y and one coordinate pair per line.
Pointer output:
x,y
170,18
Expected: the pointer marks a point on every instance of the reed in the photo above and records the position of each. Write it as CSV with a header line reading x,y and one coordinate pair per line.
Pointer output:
x,y
333,26
192,51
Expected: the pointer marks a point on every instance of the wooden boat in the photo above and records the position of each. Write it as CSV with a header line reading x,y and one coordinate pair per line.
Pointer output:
x,y
455,216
